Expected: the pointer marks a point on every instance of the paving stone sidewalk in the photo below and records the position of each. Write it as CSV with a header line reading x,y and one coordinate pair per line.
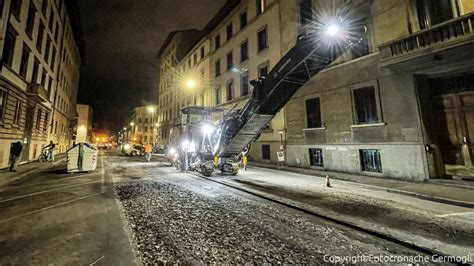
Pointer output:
x,y
455,192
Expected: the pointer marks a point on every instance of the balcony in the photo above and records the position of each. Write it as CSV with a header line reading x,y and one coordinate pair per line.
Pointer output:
x,y
442,45
38,92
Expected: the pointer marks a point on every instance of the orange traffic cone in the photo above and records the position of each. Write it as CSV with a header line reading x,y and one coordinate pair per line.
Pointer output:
x,y
328,181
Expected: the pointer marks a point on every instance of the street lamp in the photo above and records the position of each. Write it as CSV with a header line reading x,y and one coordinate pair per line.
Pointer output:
x,y
191,84
151,109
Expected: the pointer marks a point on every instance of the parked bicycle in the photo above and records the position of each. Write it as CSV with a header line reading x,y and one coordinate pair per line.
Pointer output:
x,y
43,156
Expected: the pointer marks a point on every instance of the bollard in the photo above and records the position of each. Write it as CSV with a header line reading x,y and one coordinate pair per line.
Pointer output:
x,y
328,181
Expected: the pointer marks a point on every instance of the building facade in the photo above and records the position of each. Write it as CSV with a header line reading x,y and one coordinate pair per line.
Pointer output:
x,y
240,43
398,105
84,123
142,125
36,37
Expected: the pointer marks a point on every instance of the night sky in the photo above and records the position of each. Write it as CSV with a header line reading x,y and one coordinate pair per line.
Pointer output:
x,y
122,38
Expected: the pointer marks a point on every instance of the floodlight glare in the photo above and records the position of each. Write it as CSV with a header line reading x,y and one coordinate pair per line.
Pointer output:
x,y
332,30
190,83
208,129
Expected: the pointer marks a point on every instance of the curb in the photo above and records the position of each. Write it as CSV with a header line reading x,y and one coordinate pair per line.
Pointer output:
x,y
390,190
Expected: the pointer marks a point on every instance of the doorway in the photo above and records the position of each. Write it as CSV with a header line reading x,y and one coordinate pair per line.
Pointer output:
x,y
453,122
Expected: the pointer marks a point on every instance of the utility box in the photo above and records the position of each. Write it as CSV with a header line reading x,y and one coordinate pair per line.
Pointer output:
x,y
81,157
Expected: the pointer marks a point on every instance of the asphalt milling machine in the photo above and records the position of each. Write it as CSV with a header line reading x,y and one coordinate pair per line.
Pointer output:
x,y
213,138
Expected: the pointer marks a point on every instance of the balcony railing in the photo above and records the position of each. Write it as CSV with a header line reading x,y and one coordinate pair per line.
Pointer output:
x,y
449,30
37,90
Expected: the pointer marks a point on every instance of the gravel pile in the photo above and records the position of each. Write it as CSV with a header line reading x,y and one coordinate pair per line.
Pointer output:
x,y
189,223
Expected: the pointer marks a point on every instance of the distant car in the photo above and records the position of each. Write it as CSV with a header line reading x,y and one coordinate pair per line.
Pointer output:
x,y
132,149
101,146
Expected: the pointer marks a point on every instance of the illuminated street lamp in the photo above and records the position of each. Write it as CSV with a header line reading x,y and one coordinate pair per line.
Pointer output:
x,y
151,109
191,84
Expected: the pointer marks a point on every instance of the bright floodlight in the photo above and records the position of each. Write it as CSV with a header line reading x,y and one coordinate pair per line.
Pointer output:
x,y
190,83
208,129
151,109
332,30
185,144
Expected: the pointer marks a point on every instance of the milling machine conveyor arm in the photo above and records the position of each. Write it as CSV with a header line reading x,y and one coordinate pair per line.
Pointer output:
x,y
312,53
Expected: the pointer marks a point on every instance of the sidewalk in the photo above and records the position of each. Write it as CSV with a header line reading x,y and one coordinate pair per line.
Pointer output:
x,y
27,168
459,193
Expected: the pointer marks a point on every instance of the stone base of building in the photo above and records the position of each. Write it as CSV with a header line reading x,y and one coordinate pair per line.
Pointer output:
x,y
398,161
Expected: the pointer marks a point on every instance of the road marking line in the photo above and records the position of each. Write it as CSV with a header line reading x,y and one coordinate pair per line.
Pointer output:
x,y
453,214
50,207
102,172
76,176
97,260
46,191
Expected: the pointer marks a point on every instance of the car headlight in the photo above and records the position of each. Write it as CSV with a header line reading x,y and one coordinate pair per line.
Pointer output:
x,y
126,146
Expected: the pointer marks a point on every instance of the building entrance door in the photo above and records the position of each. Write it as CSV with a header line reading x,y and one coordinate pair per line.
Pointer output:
x,y
453,102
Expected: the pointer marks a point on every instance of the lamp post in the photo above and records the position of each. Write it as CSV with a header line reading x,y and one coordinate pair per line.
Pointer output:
x,y
191,84
151,109
131,131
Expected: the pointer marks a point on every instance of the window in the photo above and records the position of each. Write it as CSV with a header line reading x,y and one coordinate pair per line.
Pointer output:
x,y
44,7
262,39
30,20
15,8
43,78
244,84
229,31
217,41
2,4
3,103
56,32
217,67
38,119
266,152
244,51
306,12
53,58
25,56
263,70
48,47
202,52
243,20
34,77
313,113
261,4
194,59
50,84
146,129
370,161
51,20
16,117
39,41
316,157
362,48
230,62
230,90
45,122
9,47
218,94
431,13
365,105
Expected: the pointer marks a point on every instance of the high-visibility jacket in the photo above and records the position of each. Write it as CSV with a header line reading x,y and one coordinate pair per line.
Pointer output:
x,y
148,148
